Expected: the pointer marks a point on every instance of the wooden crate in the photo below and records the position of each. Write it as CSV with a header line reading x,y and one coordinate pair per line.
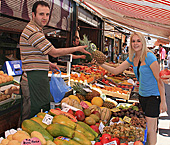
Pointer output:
x,y
116,95
9,118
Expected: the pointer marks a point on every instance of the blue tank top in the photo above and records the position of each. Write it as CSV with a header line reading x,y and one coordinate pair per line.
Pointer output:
x,y
147,84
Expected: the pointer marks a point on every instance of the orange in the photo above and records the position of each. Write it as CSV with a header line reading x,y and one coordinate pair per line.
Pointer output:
x,y
97,101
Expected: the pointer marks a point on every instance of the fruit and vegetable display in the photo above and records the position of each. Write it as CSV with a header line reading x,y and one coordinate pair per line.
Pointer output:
x,y
90,115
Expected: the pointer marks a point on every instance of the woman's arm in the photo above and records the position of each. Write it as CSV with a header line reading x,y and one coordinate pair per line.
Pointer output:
x,y
123,66
155,69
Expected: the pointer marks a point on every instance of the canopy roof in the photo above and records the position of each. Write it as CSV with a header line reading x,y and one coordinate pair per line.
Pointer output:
x,y
149,16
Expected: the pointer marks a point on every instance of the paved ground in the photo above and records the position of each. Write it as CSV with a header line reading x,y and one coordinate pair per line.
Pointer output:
x,y
164,122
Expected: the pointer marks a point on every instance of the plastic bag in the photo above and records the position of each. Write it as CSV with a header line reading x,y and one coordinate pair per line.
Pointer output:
x,y
58,87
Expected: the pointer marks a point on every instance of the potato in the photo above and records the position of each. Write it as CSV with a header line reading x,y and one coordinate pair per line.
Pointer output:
x,y
9,137
14,142
4,141
20,136
23,132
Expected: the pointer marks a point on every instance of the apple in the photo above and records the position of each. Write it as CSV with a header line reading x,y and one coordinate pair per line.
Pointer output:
x,y
80,116
95,128
96,113
163,73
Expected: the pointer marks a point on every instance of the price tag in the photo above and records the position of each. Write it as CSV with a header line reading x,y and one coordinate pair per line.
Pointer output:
x,y
99,85
101,126
16,65
65,109
126,119
63,138
47,119
92,142
32,141
111,143
84,105
87,89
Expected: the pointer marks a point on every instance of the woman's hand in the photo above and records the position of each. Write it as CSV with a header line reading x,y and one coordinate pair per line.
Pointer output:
x,y
166,79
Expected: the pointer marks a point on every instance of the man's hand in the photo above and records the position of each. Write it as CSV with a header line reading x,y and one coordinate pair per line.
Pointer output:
x,y
83,57
82,49
53,67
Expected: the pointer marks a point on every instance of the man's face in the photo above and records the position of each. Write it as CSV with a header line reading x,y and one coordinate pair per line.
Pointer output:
x,y
42,15
76,42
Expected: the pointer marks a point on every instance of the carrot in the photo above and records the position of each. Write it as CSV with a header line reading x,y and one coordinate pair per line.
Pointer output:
x,y
58,112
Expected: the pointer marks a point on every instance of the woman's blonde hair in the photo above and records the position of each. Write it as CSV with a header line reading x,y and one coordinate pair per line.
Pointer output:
x,y
144,47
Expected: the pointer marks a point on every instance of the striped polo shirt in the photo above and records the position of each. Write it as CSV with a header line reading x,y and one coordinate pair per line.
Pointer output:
x,y
34,48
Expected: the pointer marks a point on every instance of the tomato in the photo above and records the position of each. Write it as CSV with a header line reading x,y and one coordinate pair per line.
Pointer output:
x,y
116,139
98,143
106,136
104,140
163,73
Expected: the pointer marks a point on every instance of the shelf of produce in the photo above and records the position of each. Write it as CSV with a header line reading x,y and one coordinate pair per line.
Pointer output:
x,y
115,94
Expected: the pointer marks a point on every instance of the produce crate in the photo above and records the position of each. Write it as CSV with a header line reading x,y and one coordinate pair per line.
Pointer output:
x,y
116,95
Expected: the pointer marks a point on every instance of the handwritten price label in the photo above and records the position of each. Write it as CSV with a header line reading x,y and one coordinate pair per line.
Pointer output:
x,y
47,119
126,119
32,141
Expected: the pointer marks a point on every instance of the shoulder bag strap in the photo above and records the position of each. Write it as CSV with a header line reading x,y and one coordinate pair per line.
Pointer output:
x,y
138,68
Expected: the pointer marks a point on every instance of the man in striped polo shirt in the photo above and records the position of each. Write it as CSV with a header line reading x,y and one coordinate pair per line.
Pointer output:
x,y
34,49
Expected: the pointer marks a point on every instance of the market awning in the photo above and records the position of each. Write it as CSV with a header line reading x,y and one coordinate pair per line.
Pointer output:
x,y
149,16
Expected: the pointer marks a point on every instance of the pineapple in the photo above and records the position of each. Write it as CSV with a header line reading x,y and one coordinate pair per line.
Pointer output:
x,y
96,54
81,97
82,94
108,104
91,95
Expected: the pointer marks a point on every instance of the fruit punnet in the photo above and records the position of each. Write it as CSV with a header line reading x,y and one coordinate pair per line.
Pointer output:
x,y
96,54
164,73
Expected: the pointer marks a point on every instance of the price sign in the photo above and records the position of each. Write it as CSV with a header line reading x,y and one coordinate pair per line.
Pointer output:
x,y
87,90
111,143
84,105
32,141
101,126
126,119
47,119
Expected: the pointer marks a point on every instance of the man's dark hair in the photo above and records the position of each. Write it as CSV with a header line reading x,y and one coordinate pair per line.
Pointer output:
x,y
75,37
124,44
160,45
42,3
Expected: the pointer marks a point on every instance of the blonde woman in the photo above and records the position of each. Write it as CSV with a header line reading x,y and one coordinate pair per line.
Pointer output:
x,y
151,88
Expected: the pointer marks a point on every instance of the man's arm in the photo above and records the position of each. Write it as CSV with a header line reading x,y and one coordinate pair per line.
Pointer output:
x,y
63,51
78,56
